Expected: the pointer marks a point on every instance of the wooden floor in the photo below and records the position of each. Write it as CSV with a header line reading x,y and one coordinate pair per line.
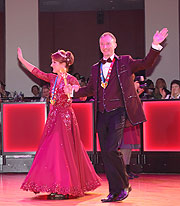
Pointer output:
x,y
147,190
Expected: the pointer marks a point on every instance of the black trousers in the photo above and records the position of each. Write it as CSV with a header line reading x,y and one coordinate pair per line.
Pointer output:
x,y
110,126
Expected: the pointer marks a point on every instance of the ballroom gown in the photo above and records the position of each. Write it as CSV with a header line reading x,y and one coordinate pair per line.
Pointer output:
x,y
61,164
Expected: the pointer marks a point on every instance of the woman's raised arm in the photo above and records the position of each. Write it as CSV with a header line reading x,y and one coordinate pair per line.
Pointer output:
x,y
28,65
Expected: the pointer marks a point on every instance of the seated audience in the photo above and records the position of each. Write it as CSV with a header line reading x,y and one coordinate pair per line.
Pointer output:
x,y
131,138
36,93
3,92
160,89
175,90
45,94
82,81
78,76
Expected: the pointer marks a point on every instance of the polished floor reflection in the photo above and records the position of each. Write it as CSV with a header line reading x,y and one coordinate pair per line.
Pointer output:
x,y
148,190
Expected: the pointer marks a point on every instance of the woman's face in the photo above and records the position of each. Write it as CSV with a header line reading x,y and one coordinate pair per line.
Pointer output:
x,y
160,84
58,67
45,92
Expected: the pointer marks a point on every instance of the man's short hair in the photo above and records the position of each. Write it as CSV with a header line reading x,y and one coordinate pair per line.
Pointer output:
x,y
108,34
175,81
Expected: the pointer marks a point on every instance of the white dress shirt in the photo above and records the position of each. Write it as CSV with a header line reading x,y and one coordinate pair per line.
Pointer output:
x,y
106,66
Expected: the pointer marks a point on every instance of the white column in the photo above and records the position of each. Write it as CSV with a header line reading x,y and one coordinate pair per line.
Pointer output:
x,y
159,14
21,31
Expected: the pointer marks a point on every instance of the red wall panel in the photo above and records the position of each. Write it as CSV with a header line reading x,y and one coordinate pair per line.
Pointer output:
x,y
85,117
23,125
161,132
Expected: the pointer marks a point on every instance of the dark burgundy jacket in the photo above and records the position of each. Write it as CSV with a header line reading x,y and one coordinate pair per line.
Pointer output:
x,y
125,66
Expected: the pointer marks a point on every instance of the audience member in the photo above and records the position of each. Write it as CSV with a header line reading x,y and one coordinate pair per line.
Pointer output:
x,y
78,76
45,94
131,138
175,90
148,92
150,89
3,92
35,90
82,81
139,83
130,141
36,93
160,89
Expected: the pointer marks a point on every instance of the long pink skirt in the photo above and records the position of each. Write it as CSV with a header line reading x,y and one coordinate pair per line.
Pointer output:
x,y
61,164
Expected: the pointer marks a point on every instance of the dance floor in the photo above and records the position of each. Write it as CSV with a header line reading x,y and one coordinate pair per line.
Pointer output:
x,y
147,190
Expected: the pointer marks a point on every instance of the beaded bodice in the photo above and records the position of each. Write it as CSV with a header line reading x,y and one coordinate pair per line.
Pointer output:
x,y
61,99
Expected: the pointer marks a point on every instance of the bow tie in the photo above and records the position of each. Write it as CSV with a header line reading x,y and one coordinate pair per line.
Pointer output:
x,y
103,61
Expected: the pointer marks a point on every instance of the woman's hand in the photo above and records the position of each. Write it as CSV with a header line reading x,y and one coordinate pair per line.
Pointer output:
x,y
75,87
19,53
162,92
27,64
68,89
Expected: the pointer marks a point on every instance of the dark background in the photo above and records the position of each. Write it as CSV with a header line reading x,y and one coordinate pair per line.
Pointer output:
x,y
77,26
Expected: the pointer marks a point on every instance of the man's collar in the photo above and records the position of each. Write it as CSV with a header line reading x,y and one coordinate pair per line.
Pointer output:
x,y
111,57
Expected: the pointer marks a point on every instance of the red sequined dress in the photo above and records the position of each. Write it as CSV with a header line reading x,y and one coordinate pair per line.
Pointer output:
x,y
61,164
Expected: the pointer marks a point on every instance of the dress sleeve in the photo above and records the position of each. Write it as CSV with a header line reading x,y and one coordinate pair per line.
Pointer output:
x,y
42,75
72,80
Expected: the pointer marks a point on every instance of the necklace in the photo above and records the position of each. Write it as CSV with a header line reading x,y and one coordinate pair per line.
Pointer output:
x,y
104,82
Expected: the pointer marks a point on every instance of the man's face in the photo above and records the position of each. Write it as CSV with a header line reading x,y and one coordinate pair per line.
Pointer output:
x,y
175,89
107,46
35,91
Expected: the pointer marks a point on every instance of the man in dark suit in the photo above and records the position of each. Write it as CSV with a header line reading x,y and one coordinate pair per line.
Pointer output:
x,y
116,101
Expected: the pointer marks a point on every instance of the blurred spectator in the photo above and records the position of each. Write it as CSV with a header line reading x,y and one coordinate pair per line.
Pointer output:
x,y
148,90
36,93
131,136
45,94
160,89
3,92
82,81
175,90
77,75
35,90
150,83
139,84
149,93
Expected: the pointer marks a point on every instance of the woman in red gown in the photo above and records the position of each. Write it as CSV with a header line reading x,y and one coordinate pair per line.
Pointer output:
x,y
61,165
